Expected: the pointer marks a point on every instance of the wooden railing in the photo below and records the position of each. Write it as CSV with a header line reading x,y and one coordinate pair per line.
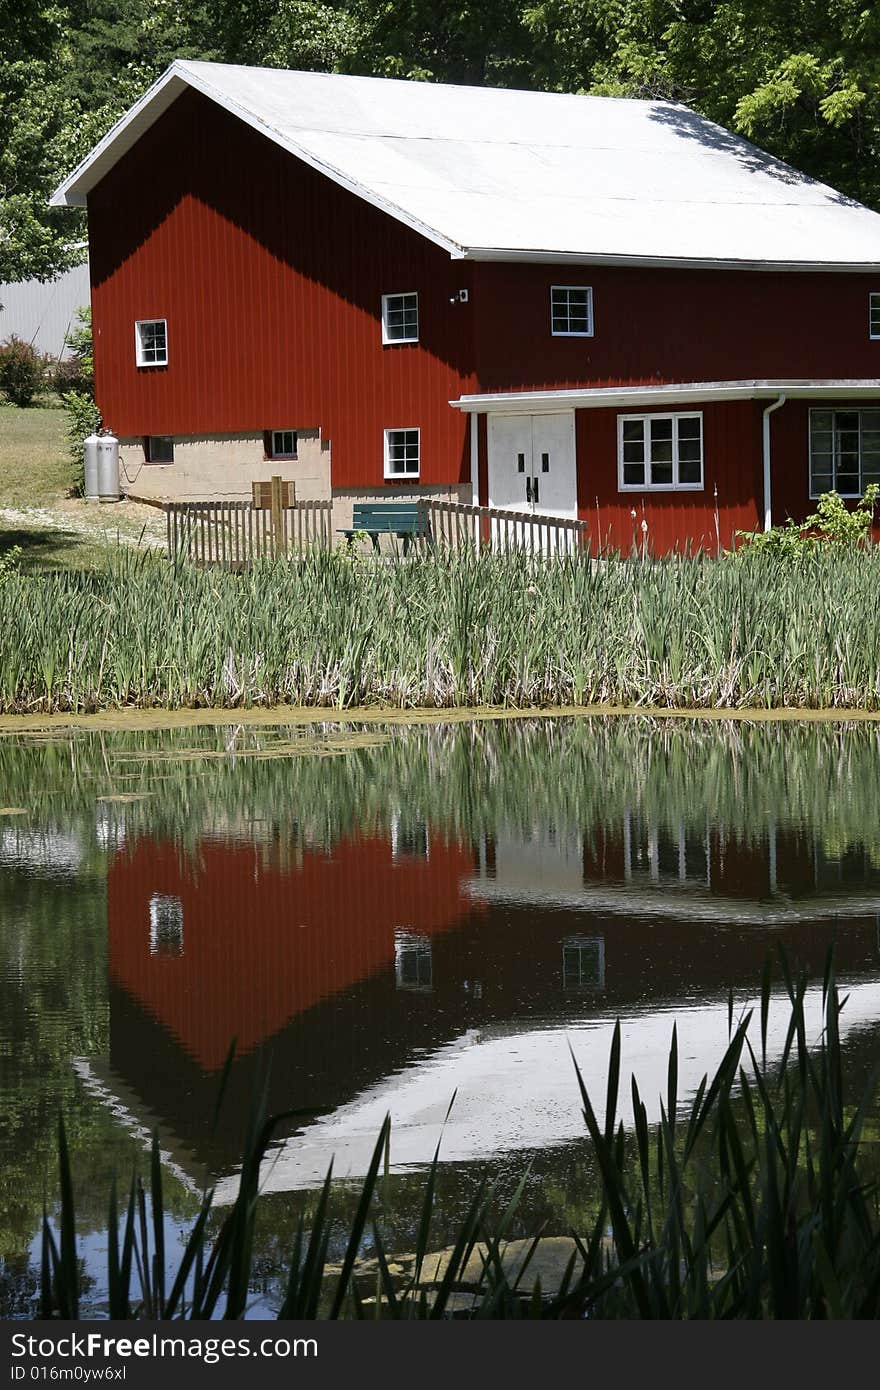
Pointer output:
x,y
456,524
234,534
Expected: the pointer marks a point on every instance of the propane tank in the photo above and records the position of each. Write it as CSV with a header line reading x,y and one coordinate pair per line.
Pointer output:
x,y
108,468
90,465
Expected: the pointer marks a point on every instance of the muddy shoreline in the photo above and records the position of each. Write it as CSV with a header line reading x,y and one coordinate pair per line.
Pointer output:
x,y
132,718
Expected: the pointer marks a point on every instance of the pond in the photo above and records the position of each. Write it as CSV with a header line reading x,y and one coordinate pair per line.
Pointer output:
x,y
387,917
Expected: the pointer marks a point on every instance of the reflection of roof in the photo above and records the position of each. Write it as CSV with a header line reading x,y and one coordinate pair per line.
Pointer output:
x,y
690,903
261,944
519,1090
493,173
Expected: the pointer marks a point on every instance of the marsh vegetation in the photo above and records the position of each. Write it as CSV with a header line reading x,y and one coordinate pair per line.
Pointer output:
x,y
755,631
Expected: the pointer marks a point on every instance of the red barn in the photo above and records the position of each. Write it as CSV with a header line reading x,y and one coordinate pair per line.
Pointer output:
x,y
582,306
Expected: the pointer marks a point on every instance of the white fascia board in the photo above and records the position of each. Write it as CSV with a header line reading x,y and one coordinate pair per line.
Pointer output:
x,y
687,393
75,189
539,257
72,193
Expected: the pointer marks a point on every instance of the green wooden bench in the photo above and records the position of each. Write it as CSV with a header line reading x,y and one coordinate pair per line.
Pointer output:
x,y
402,519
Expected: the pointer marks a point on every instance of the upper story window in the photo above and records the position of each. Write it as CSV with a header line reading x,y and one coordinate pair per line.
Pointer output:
x,y
159,448
400,318
166,925
571,311
281,444
664,452
844,451
401,453
151,342
874,315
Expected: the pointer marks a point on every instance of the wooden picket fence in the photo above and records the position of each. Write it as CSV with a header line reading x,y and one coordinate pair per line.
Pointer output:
x,y
458,524
234,534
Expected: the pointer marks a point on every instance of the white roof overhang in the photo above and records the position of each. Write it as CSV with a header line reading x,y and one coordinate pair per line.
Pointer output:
x,y
680,393
492,174
74,191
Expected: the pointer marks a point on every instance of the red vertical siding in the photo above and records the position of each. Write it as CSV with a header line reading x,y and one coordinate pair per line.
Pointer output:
x,y
732,482
655,326
270,277
263,944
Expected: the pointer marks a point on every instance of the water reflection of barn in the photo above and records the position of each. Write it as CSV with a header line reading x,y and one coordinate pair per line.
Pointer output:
x,y
346,963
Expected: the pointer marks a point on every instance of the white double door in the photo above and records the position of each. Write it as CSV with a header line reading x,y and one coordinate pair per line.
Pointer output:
x,y
532,465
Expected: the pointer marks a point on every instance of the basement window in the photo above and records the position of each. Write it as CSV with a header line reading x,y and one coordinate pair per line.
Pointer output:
x,y
661,453
844,451
571,311
159,448
151,342
400,318
281,444
401,453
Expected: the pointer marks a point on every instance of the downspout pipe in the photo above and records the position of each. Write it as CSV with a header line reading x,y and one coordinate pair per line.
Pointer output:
x,y
768,500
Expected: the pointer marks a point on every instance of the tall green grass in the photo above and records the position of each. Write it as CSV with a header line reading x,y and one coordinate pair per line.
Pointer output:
x,y
337,631
756,1199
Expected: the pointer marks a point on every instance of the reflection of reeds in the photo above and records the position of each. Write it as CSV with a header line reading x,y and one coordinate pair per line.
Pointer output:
x,y
467,780
337,631
753,1202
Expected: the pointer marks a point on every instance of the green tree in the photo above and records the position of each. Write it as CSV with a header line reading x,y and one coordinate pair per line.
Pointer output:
x,y
800,79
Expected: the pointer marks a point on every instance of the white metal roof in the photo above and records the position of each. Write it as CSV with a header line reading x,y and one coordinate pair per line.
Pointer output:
x,y
495,174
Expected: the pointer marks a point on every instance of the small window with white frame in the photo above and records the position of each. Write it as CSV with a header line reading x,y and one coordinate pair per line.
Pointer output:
x,y
282,444
413,962
583,963
400,317
166,925
874,314
663,453
402,453
571,311
151,342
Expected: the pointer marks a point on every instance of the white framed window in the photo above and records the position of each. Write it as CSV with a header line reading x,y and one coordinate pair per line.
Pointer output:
x,y
400,317
413,961
874,314
282,444
571,311
663,453
583,962
159,448
844,451
401,453
166,925
409,838
151,342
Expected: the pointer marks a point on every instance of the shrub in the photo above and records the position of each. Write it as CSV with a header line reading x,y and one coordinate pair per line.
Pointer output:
x,y
70,375
83,418
831,523
22,371
77,372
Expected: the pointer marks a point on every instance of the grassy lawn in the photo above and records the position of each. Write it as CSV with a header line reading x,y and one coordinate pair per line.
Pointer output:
x,y
35,472
34,468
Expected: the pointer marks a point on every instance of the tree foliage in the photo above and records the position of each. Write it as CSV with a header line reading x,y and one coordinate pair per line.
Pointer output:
x,y
799,79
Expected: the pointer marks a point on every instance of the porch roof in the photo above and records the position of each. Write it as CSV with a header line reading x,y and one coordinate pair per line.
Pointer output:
x,y
676,393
